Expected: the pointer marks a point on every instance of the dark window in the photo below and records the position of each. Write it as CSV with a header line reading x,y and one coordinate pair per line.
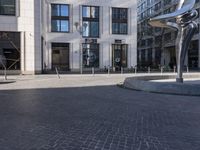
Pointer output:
x,y
90,55
59,18
10,53
7,7
119,54
91,21
119,20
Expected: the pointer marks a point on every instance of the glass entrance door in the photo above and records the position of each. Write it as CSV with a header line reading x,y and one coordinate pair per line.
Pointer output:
x,y
119,56
60,56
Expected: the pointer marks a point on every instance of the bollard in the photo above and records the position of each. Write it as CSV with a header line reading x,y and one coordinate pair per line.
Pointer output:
x,y
57,72
149,70
135,70
122,71
93,71
5,74
108,70
161,69
174,69
187,69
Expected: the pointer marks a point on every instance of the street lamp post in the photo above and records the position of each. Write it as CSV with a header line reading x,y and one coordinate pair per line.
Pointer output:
x,y
80,29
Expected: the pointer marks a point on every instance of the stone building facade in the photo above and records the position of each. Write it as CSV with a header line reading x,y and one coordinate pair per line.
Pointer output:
x,y
70,35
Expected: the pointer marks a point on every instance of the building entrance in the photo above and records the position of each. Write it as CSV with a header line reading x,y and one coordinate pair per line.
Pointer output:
x,y
60,56
119,56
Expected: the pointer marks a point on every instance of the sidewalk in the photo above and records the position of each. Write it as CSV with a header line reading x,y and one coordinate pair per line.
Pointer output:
x,y
71,80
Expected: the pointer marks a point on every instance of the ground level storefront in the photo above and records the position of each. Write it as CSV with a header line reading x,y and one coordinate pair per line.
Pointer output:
x,y
65,56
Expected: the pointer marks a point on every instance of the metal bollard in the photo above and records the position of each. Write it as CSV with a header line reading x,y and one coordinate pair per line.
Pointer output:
x,y
187,69
122,71
149,70
174,69
108,70
5,74
93,71
135,70
161,69
57,72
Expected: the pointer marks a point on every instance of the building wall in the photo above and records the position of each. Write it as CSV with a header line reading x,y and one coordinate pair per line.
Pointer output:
x,y
26,22
165,44
106,38
33,21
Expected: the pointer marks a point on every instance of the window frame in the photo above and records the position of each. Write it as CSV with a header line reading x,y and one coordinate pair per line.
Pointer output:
x,y
119,22
90,20
60,18
97,48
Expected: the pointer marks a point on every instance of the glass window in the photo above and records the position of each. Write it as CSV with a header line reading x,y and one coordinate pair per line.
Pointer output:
x,y
94,29
60,18
86,32
119,20
86,12
7,7
64,10
91,18
119,52
64,25
55,10
55,25
90,55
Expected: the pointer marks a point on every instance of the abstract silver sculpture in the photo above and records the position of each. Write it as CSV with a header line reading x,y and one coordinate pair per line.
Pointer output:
x,y
185,25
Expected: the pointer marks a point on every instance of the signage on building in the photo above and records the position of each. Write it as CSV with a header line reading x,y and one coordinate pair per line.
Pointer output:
x,y
117,41
90,41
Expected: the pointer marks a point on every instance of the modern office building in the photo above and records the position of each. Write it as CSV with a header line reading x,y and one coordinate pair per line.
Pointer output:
x,y
70,35
156,46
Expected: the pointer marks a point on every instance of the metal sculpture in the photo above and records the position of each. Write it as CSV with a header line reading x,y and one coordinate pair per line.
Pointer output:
x,y
185,25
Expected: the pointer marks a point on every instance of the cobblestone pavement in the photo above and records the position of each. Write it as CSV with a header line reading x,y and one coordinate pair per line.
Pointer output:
x,y
97,118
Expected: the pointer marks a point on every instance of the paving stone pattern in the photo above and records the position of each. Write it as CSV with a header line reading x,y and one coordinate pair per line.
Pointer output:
x,y
97,118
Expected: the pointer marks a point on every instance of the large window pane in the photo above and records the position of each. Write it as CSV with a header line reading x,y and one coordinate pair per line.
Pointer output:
x,y
90,55
64,25
119,20
60,10
55,10
60,18
119,52
64,10
7,7
86,11
55,25
123,28
115,28
94,29
86,30
91,18
94,12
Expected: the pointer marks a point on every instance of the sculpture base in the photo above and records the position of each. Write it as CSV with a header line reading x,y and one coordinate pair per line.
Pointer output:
x,y
179,80
152,84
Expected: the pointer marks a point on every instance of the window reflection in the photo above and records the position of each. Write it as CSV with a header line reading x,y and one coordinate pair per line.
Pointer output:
x,y
119,52
60,18
91,18
119,21
90,55
7,7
